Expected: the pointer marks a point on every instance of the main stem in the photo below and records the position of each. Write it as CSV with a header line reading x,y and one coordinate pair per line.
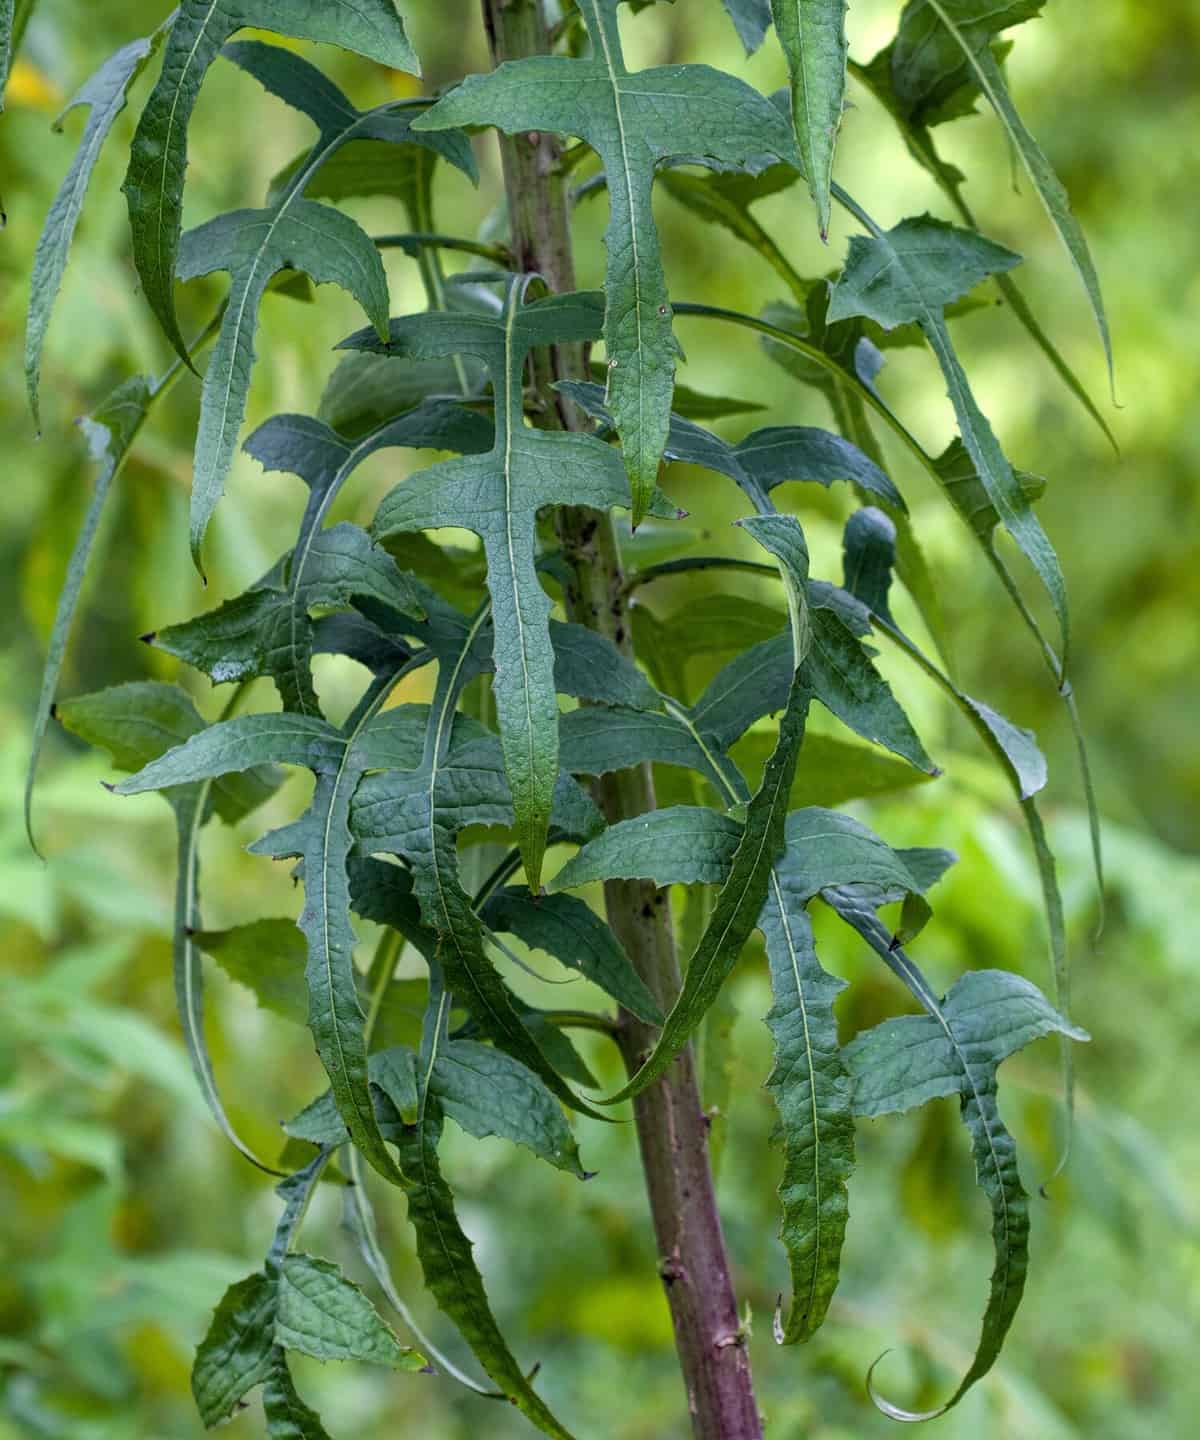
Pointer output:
x,y
672,1127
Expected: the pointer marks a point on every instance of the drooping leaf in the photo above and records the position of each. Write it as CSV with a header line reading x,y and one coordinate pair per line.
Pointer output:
x,y
911,273
498,496
578,938
877,77
444,1251
902,1063
293,233
634,122
322,837
238,1352
321,1313
942,45
104,97
158,159
740,899
288,1417
137,723
111,432
268,630
974,1029
813,36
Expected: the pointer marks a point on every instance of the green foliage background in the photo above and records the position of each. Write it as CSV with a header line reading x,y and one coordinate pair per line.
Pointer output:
x,y
125,1216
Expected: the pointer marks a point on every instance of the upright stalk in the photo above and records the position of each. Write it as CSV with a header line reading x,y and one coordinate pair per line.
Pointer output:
x,y
672,1128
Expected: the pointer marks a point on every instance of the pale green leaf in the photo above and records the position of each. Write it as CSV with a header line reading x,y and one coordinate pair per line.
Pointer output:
x,y
104,97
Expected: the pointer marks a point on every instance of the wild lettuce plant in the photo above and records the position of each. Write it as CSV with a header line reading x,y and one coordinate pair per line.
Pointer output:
x,y
553,457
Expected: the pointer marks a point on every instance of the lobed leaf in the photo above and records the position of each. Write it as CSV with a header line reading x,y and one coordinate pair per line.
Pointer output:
x,y
487,1092
813,36
943,46
158,158
498,496
634,122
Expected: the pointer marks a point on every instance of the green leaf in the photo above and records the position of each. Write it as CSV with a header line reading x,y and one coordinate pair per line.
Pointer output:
x,y
813,36
288,1417
982,1021
967,1052
238,1351
765,458
877,77
104,97
589,666
634,122
138,723
322,836
678,844
158,158
487,1092
449,1268
751,19
911,273
942,44
320,1313
810,1082
578,938
268,630
267,956
903,1063
598,741
812,1092
740,899
111,432
253,245
498,496
416,814
6,45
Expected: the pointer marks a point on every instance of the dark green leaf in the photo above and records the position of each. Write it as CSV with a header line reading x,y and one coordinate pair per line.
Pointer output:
x,y
450,1271
158,160
239,1350
813,36
110,432
498,496
489,1093
577,937
267,956
320,1313
634,122
676,845
943,42
751,20
288,1417
911,273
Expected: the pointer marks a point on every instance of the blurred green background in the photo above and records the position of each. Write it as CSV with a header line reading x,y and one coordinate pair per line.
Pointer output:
x,y
125,1215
